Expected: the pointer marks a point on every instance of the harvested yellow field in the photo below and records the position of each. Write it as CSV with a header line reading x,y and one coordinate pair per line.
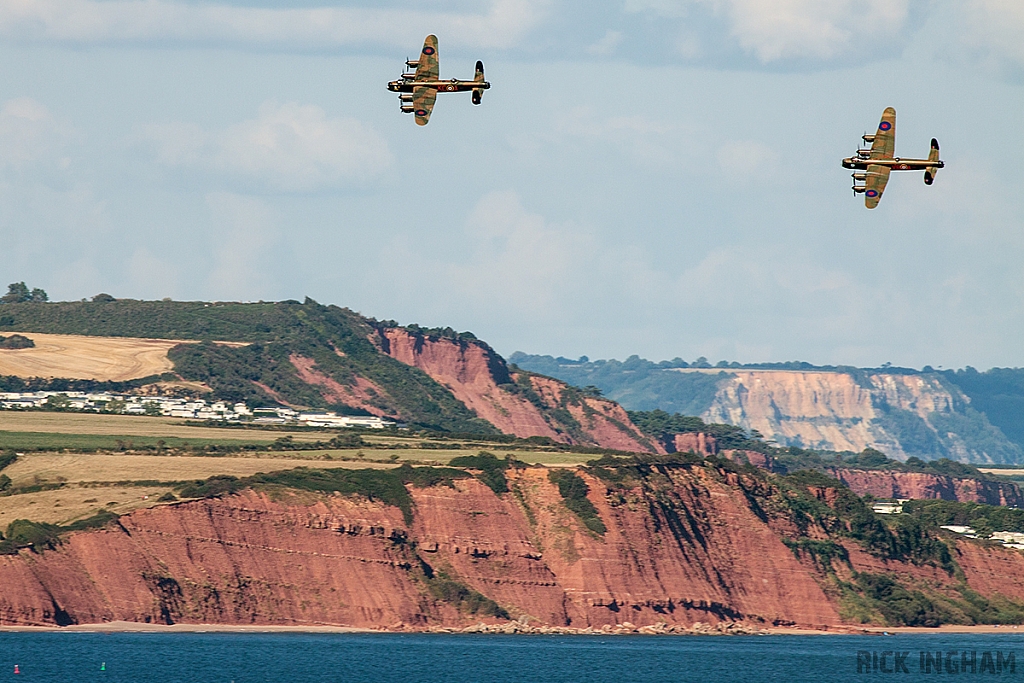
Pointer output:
x,y
66,505
100,358
75,468
114,359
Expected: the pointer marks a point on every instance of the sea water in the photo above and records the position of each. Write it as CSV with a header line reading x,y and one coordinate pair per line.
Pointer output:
x,y
422,658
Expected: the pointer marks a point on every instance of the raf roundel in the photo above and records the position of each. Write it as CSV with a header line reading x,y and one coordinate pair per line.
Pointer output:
x,y
871,193
421,112
884,125
428,50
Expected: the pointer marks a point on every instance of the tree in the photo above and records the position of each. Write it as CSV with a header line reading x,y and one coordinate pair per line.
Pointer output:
x,y
18,292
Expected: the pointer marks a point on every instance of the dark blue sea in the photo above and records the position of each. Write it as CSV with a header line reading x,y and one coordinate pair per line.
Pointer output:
x,y
401,658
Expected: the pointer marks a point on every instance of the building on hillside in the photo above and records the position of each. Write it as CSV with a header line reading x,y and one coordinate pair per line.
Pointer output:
x,y
888,507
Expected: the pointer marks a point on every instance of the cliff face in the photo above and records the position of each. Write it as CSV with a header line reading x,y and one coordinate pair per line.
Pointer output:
x,y
516,403
694,548
916,485
901,415
301,560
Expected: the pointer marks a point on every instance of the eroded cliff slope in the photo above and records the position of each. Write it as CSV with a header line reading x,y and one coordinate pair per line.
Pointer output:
x,y
900,412
682,543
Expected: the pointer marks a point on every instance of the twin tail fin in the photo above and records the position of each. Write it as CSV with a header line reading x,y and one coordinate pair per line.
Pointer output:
x,y
478,93
933,155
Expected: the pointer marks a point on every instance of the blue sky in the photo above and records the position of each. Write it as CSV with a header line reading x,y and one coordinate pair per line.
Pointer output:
x,y
658,177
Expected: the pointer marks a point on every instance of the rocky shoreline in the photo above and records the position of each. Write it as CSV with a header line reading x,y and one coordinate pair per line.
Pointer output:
x,y
626,628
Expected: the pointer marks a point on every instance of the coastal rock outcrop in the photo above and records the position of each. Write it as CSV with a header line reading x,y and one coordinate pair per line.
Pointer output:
x,y
516,403
695,549
300,558
920,485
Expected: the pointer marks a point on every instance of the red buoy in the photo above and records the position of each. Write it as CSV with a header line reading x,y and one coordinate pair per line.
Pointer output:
x,y
16,670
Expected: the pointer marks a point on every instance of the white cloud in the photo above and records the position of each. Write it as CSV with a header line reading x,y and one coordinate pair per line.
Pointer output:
x,y
607,44
779,29
152,276
29,135
772,30
742,158
501,24
519,258
646,140
994,28
287,147
244,235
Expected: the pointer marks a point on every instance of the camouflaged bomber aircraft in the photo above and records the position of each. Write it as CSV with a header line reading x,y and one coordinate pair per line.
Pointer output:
x,y
424,83
877,162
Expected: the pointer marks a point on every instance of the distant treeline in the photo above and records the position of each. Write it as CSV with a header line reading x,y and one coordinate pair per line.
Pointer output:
x,y
993,422
11,383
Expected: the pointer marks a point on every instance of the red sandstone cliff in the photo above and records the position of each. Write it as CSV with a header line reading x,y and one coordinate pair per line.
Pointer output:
x,y
516,403
918,485
695,549
299,560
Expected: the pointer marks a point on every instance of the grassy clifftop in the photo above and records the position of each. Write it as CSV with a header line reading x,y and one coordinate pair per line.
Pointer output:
x,y
337,340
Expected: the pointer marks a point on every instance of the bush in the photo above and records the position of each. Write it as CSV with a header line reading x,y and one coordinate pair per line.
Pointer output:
x,y
38,535
97,521
386,486
16,341
492,470
574,491
7,458
465,599
899,606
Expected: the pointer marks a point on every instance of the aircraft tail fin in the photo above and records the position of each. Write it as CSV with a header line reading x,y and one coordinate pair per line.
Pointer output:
x,y
933,155
478,93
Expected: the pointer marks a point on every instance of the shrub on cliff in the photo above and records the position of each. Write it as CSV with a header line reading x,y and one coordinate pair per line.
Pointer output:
x,y
385,486
661,425
38,535
899,606
903,538
465,599
574,490
492,470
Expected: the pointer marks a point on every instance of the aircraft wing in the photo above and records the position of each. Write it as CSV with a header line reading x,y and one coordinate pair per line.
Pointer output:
x,y
877,177
884,145
429,68
423,103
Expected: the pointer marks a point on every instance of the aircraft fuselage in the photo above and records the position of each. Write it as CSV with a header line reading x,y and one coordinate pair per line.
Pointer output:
x,y
894,164
452,85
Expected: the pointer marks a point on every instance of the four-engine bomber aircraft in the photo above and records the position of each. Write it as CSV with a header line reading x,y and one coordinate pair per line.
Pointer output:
x,y
424,83
877,162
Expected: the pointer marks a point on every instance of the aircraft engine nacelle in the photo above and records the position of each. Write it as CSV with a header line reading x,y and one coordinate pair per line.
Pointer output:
x,y
408,108
869,138
412,63
859,176
408,77
857,189
406,97
864,153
